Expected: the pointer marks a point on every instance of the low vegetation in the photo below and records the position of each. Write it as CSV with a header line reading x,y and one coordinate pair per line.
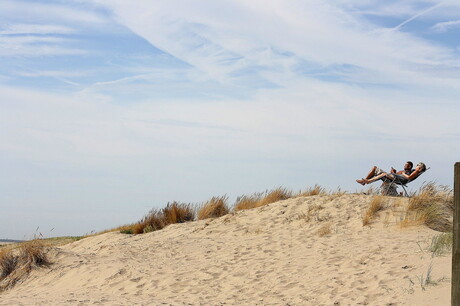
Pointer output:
x,y
217,206
311,191
17,263
275,195
441,244
433,206
157,219
377,203
214,208
325,229
247,201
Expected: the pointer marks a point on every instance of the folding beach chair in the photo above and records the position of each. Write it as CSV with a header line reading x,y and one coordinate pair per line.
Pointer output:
x,y
390,186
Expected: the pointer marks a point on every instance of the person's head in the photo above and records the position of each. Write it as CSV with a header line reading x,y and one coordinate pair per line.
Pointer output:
x,y
421,166
408,165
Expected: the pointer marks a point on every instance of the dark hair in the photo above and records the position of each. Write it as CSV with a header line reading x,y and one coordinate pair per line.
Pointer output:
x,y
410,163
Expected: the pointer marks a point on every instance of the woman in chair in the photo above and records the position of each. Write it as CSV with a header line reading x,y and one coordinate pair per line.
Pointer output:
x,y
401,177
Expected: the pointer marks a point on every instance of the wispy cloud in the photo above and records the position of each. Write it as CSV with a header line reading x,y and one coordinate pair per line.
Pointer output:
x,y
228,46
41,12
446,26
50,73
35,29
29,45
431,8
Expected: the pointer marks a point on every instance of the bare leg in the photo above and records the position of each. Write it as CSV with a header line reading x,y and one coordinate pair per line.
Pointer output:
x,y
375,178
370,175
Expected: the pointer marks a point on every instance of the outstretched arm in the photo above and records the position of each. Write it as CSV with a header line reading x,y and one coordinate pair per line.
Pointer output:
x,y
413,175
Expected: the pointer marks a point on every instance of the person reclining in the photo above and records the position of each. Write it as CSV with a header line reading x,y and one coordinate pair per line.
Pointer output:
x,y
403,177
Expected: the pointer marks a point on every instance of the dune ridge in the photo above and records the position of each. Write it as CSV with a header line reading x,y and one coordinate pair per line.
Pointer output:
x,y
302,251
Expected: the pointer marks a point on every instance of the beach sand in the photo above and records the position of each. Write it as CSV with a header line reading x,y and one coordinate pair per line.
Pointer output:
x,y
303,251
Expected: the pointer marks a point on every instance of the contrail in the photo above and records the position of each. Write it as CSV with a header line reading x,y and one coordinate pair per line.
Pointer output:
x,y
417,15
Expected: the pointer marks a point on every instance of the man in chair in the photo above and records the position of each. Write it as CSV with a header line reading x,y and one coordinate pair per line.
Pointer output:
x,y
403,177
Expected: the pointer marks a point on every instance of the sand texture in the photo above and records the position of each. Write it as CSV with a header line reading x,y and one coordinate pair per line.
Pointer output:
x,y
279,254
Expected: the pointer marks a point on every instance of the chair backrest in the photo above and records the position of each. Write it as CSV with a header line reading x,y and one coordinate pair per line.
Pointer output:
x,y
418,175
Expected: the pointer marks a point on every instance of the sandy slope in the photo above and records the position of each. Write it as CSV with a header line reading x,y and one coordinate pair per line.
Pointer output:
x,y
267,256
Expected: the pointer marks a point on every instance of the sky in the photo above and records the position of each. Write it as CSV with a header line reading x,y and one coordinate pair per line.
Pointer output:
x,y
110,108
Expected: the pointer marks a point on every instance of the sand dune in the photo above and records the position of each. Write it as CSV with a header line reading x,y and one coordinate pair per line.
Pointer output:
x,y
279,254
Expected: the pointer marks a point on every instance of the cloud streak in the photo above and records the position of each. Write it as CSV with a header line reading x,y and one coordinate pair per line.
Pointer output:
x,y
314,34
446,26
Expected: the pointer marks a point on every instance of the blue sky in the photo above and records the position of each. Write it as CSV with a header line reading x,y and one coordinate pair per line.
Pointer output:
x,y
110,108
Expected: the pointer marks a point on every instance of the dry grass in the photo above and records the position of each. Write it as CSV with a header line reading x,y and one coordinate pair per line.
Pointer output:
x,y
8,263
371,190
124,229
432,206
157,219
262,199
312,191
337,193
214,208
178,213
275,195
325,229
312,212
16,264
441,243
377,203
151,222
247,202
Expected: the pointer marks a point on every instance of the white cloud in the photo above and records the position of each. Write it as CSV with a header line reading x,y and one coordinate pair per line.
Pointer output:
x,y
274,36
446,26
35,12
36,29
35,46
51,73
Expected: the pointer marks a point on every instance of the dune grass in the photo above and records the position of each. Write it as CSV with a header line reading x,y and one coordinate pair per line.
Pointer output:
x,y
312,191
325,229
441,243
262,199
217,206
157,219
433,206
377,203
17,263
277,194
214,208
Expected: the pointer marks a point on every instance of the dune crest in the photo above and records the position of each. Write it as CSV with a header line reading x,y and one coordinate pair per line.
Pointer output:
x,y
301,251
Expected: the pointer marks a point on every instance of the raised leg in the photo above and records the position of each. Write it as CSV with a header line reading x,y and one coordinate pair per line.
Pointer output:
x,y
371,173
369,176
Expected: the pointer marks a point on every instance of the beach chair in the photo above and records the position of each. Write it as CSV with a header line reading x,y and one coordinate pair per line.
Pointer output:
x,y
390,186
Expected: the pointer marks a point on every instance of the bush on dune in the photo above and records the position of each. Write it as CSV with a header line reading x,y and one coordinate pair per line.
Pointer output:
x,y
157,219
214,208
178,213
275,195
247,202
16,264
262,199
433,206
311,191
376,204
